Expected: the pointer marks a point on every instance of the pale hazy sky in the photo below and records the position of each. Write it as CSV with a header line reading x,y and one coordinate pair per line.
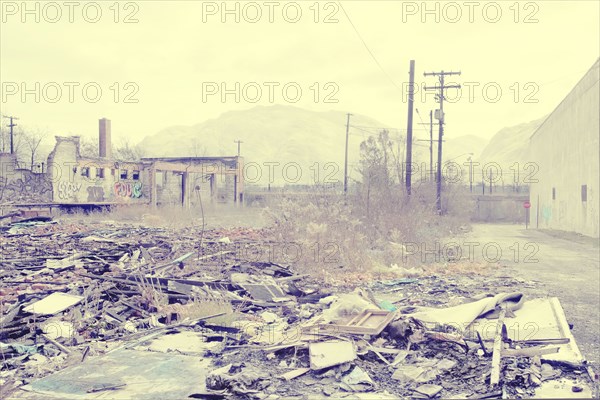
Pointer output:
x,y
535,52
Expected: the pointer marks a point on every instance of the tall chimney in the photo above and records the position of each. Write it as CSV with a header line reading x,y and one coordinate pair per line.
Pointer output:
x,y
104,142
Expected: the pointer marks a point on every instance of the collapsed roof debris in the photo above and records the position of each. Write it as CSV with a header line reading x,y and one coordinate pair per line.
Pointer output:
x,y
123,311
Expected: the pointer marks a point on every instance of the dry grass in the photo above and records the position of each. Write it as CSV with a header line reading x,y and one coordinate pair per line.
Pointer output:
x,y
174,217
359,242
325,234
461,267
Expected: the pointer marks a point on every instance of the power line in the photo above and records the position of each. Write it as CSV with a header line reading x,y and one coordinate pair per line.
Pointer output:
x,y
367,130
370,133
381,128
367,47
430,141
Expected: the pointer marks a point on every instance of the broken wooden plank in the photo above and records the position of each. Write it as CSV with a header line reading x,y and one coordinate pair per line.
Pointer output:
x,y
55,343
530,351
542,341
497,349
219,253
103,387
369,322
385,350
278,347
288,376
10,315
177,261
291,278
10,215
377,353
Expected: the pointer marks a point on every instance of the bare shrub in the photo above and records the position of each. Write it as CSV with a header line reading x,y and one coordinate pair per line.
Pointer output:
x,y
370,226
325,231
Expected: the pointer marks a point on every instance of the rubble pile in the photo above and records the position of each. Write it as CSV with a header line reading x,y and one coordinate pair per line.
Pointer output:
x,y
131,311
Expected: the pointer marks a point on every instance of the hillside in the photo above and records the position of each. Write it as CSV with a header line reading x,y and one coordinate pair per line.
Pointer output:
x,y
273,134
288,135
510,144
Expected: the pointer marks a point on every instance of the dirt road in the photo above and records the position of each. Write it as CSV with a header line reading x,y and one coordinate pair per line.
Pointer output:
x,y
563,265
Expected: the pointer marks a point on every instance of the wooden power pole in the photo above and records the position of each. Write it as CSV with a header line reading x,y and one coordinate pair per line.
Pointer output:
x,y
239,142
409,139
441,75
11,126
346,156
431,145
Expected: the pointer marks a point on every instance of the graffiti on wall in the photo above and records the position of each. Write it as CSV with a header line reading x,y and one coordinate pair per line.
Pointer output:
x,y
30,188
546,213
68,190
127,189
95,193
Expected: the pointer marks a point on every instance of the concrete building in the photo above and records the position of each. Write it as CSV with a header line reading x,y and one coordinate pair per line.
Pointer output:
x,y
565,150
102,180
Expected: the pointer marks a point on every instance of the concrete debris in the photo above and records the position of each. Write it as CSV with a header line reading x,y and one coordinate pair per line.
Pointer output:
x,y
347,305
119,311
269,317
53,304
427,391
423,370
358,380
55,329
330,353
238,379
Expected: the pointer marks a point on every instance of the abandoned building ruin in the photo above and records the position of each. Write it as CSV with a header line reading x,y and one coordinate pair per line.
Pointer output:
x,y
71,179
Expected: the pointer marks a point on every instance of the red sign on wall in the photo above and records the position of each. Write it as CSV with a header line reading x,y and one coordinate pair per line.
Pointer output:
x,y
527,204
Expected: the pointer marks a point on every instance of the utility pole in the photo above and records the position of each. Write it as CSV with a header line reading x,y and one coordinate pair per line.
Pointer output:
x,y
471,174
441,75
483,181
431,145
346,157
411,92
239,142
11,126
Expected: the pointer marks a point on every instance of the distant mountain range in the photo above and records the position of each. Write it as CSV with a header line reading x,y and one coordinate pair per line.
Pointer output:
x,y
287,135
510,144
300,139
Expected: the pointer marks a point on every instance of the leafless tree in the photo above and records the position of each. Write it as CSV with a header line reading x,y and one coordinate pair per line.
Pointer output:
x,y
198,149
88,147
20,149
32,139
125,151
